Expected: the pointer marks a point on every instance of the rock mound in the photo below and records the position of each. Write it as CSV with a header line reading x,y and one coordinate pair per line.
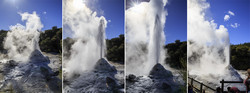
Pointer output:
x,y
158,71
159,80
100,80
31,77
102,65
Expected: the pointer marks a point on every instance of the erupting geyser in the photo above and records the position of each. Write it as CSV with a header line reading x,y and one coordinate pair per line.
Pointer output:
x,y
21,41
208,46
88,31
145,52
101,37
156,36
87,70
26,69
145,36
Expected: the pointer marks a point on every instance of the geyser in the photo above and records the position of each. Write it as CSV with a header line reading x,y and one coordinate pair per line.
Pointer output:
x,y
208,46
145,36
156,44
21,40
88,30
101,37
26,70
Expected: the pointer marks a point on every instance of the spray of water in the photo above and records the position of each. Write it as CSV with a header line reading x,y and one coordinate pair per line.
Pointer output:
x,y
89,31
21,40
145,36
208,44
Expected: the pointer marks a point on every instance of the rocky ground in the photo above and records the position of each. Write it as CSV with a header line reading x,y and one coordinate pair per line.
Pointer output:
x,y
159,80
104,78
30,77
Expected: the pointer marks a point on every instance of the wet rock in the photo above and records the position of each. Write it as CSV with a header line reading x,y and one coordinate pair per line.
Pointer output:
x,y
102,65
31,77
159,80
131,78
111,83
158,71
100,80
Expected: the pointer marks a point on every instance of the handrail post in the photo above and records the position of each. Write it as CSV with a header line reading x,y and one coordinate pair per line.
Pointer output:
x,y
192,82
222,85
201,87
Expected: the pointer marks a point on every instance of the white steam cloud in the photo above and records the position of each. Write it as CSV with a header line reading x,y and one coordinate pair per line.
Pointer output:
x,y
89,31
21,40
145,36
208,46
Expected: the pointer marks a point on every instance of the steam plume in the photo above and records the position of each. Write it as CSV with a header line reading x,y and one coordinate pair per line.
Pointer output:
x,y
21,40
89,31
145,36
208,43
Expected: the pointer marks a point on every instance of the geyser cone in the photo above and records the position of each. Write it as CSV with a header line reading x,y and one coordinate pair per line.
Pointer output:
x,y
37,56
102,65
160,72
99,80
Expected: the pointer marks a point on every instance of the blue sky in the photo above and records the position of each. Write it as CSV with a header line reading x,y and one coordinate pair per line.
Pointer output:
x,y
9,12
113,11
241,9
176,21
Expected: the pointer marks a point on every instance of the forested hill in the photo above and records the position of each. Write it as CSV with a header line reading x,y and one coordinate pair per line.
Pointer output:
x,y
177,54
240,56
3,34
50,40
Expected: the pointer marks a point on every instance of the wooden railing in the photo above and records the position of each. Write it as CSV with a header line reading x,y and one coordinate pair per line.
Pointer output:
x,y
200,89
223,82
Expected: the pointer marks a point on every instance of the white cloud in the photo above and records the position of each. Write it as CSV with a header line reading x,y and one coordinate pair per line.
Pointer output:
x,y
235,25
45,12
231,13
109,21
226,18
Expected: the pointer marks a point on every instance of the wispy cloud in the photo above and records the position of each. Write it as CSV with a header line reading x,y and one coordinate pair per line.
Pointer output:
x,y
235,25
231,13
44,12
226,17
109,21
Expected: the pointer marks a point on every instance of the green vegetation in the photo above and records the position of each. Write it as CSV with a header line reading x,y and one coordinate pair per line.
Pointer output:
x,y
177,58
240,56
177,54
115,49
51,40
2,36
